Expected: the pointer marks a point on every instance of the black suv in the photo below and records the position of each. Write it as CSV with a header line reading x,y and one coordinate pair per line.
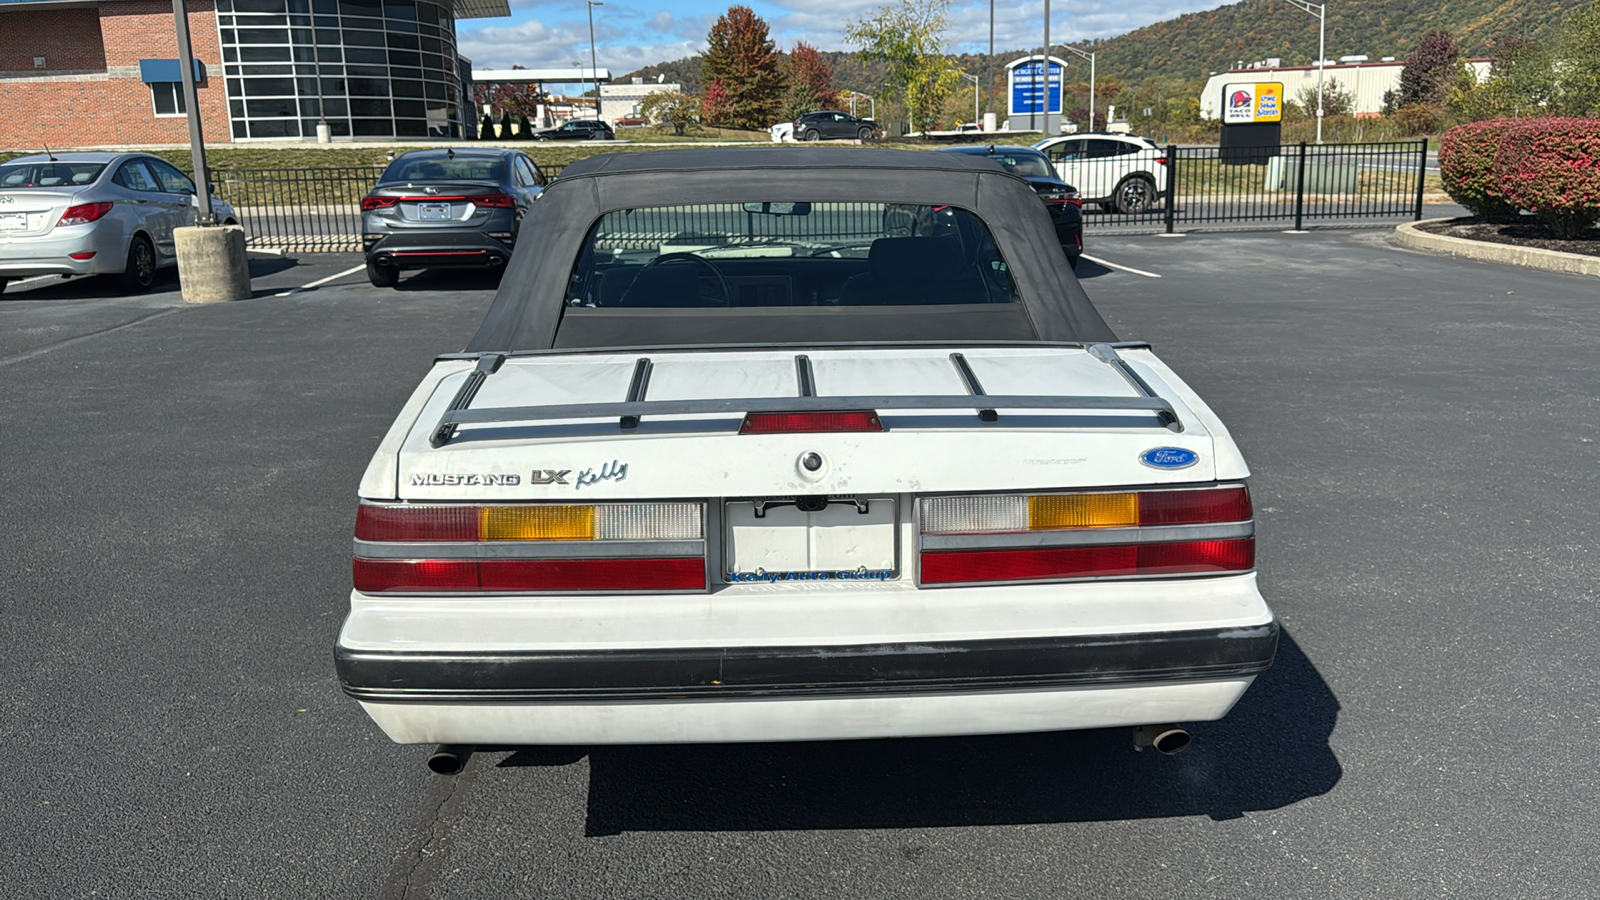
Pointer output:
x,y
577,130
831,124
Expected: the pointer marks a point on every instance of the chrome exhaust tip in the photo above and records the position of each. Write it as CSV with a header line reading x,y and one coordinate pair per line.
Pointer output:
x,y
449,759
1168,739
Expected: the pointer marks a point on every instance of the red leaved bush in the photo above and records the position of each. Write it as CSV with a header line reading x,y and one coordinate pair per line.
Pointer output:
x,y
1466,166
1552,166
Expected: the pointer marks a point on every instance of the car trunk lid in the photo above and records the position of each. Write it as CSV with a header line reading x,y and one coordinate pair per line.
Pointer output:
x,y
32,211
560,427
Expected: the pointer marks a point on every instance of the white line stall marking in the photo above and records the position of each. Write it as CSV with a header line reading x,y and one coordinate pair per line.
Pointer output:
x,y
1111,265
322,281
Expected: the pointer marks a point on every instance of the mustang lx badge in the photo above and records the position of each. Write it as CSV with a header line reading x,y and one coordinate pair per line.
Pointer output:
x,y
611,471
549,476
1169,458
467,480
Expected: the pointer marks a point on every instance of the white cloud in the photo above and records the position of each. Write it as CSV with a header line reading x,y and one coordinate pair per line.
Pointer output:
x,y
537,45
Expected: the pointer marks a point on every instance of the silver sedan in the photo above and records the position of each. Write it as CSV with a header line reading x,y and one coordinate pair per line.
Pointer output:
x,y
94,214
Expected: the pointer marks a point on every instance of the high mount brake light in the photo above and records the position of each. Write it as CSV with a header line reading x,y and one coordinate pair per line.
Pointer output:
x,y
1017,513
811,422
84,213
1173,558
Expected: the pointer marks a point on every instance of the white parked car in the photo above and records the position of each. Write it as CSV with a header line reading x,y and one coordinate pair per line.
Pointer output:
x,y
94,214
782,133
1121,172
772,445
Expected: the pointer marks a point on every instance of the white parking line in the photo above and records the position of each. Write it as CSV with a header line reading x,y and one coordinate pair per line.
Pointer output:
x,y
1111,265
322,281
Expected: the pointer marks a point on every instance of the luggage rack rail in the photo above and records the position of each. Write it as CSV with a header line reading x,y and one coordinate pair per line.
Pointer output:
x,y
629,412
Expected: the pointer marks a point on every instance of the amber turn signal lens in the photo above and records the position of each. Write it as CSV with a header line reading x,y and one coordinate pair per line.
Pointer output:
x,y
1048,511
536,523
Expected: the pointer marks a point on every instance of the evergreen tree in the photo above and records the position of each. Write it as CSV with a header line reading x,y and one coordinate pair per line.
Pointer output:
x,y
741,55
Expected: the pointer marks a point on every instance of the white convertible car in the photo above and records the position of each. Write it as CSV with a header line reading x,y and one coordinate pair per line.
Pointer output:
x,y
787,444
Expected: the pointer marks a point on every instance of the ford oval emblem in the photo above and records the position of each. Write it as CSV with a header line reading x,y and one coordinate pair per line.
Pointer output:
x,y
1169,458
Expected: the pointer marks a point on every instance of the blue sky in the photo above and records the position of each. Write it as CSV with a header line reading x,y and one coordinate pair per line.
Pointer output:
x,y
634,33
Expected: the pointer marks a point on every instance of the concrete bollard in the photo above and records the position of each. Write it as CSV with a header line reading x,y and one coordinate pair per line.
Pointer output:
x,y
212,266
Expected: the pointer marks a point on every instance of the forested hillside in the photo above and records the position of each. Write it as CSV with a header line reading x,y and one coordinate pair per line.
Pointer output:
x,y
1193,45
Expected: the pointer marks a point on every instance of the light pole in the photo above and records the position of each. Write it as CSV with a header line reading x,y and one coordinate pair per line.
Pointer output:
x,y
1090,57
204,215
1320,10
594,68
976,116
1047,132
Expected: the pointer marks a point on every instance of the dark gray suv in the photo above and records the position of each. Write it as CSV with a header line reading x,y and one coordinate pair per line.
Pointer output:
x,y
434,209
831,124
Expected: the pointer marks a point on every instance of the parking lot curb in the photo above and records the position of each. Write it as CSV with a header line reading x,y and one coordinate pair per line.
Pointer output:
x,y
1410,234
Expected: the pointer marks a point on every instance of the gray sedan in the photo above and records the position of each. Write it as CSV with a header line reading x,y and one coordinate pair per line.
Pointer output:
x,y
94,214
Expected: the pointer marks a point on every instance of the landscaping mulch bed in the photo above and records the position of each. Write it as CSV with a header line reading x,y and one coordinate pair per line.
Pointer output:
x,y
1530,233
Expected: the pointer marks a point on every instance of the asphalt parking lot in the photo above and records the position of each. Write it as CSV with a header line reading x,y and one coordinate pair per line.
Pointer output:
x,y
1423,431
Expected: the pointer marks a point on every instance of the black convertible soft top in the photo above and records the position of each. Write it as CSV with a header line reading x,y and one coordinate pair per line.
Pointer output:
x,y
528,309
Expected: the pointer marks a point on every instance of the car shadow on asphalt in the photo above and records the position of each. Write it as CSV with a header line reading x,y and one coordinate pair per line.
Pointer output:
x,y
1271,751
103,287
452,280
1088,268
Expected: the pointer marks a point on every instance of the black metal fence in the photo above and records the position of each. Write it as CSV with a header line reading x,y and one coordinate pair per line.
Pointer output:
x,y
306,210
1292,185
319,210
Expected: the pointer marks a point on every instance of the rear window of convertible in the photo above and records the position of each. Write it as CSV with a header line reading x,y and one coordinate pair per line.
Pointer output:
x,y
793,254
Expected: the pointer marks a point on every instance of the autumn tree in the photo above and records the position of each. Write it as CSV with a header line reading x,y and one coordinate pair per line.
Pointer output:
x,y
675,109
1430,72
907,36
810,82
740,54
516,98
714,106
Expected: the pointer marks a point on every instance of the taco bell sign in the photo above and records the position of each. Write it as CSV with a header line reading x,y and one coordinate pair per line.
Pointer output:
x,y
1252,102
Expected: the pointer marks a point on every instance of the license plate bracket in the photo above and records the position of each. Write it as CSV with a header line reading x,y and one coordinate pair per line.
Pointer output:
x,y
433,211
779,539
13,221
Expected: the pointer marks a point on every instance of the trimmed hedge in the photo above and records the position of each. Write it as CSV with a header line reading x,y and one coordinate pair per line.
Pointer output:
x,y
1466,166
1552,166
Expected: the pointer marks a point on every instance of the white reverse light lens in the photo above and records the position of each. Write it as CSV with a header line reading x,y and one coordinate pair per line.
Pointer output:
x,y
648,522
974,515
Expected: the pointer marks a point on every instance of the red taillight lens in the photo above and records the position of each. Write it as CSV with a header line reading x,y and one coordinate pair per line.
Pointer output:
x,y
499,201
1161,160
1180,557
371,203
1229,504
417,523
811,422
84,213
378,576
1076,201
666,574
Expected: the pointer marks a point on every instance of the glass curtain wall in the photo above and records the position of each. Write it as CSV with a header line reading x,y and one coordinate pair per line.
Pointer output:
x,y
372,68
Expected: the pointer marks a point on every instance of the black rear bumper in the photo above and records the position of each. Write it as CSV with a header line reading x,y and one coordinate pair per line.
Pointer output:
x,y
729,672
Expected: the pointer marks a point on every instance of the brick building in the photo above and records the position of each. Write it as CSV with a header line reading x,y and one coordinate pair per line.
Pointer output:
x,y
107,73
